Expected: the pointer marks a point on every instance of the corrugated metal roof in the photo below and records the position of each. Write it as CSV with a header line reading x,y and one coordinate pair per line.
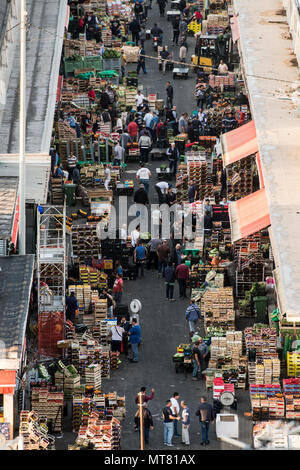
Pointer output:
x,y
15,287
8,198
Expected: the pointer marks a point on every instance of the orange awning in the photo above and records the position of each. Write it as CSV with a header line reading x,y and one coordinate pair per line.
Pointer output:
x,y
249,215
260,173
235,28
7,381
239,143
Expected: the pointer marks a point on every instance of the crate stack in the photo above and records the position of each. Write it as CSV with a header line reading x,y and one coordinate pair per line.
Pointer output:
x,y
105,364
182,184
130,94
67,379
99,310
48,403
262,339
293,364
57,191
242,186
34,432
114,360
93,376
198,171
218,308
103,435
85,242
103,333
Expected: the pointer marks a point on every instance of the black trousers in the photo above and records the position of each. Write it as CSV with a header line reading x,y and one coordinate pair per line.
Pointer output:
x,y
152,259
182,287
175,36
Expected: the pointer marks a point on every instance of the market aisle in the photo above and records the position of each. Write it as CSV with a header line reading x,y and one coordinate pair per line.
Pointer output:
x,y
163,323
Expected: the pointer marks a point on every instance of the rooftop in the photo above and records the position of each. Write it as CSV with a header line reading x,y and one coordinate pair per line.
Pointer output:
x,y
44,46
15,287
8,197
272,77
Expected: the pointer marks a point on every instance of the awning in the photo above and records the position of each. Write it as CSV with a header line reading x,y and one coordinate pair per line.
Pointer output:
x,y
239,143
235,28
7,381
260,172
249,215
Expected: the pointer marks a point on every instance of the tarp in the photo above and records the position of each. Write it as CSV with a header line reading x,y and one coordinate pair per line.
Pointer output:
x,y
235,28
249,215
239,143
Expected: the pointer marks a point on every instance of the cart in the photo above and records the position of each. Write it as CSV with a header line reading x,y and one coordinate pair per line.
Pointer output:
x,y
180,72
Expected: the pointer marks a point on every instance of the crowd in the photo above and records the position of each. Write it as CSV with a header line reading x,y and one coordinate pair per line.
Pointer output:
x,y
172,414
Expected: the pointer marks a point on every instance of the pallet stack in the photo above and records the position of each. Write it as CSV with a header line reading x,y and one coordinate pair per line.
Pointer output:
x,y
99,310
85,242
57,191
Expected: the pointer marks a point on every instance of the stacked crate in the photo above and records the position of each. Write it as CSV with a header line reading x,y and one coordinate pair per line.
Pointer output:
x,y
34,432
217,307
48,403
93,376
57,191
99,309
85,242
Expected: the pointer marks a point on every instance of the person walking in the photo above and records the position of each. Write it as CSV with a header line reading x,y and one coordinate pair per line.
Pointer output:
x,y
170,94
118,288
175,25
164,54
139,257
143,176
175,410
134,28
185,416
145,143
168,419
206,416
183,51
192,315
192,191
72,307
162,6
141,60
118,154
182,275
173,157
163,253
170,281
107,176
147,422
152,253
135,339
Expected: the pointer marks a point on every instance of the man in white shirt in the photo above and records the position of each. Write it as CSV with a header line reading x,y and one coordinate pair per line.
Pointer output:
x,y
135,236
118,154
155,223
143,176
116,337
147,119
139,98
107,176
222,69
162,189
175,410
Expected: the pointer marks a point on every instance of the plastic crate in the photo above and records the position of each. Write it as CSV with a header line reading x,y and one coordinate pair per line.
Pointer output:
x,y
71,65
112,64
94,62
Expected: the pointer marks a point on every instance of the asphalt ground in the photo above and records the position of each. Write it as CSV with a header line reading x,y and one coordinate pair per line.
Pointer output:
x,y
163,323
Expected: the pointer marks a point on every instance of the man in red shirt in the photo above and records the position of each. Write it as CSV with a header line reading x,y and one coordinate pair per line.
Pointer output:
x,y
182,274
133,129
146,398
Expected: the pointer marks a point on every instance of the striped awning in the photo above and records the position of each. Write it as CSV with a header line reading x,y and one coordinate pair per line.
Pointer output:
x,y
249,215
239,143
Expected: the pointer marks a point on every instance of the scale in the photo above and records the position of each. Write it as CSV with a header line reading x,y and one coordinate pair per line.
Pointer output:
x,y
227,424
135,307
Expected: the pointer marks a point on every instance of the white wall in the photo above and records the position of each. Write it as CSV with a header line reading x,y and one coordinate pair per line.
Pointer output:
x,y
293,18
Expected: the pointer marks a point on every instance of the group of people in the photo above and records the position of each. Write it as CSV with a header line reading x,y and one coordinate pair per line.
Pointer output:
x,y
172,414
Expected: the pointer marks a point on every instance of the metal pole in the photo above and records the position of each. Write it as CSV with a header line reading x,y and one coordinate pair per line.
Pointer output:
x,y
141,419
22,117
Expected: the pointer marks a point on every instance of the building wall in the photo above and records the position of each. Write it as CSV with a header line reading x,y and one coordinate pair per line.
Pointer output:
x,y
293,18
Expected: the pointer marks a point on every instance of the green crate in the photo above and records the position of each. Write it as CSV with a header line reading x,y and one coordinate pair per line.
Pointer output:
x,y
94,62
71,65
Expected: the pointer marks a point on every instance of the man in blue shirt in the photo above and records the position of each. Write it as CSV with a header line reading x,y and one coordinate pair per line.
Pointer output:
x,y
135,339
71,307
192,315
153,126
139,257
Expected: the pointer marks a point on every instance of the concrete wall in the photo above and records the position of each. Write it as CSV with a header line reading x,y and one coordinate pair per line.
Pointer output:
x,y
293,18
